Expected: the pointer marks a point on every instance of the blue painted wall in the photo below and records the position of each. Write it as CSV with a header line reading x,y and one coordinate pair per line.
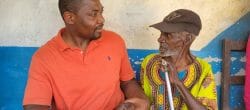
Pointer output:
x,y
13,71
14,68
15,63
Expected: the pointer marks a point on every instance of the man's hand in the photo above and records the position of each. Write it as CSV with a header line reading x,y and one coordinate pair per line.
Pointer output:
x,y
126,106
134,104
134,95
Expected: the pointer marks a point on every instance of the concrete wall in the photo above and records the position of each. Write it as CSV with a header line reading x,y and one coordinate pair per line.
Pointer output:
x,y
27,24
32,22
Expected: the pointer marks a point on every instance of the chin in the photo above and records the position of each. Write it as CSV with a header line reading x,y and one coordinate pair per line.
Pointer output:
x,y
168,54
96,36
162,54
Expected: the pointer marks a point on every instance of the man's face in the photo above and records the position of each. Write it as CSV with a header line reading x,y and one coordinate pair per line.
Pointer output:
x,y
89,19
171,44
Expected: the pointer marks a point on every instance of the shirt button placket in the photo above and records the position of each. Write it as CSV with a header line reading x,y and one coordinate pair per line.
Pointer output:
x,y
82,56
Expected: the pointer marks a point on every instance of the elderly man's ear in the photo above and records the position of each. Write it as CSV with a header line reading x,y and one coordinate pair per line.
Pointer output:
x,y
188,38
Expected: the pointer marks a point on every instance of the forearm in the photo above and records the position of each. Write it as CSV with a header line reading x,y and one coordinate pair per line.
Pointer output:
x,y
192,103
131,89
134,95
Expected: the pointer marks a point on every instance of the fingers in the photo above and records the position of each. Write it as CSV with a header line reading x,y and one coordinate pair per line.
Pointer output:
x,y
172,72
134,104
126,106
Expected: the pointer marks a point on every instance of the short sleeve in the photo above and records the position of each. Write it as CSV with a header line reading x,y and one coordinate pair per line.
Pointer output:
x,y
207,94
126,72
38,89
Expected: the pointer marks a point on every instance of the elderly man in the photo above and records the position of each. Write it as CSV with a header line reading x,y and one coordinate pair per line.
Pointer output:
x,y
192,80
84,67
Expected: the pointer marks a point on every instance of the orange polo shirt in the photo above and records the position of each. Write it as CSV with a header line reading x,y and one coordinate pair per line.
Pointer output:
x,y
79,80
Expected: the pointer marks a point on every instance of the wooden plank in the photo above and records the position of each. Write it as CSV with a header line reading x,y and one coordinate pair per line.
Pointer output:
x,y
238,80
238,45
226,79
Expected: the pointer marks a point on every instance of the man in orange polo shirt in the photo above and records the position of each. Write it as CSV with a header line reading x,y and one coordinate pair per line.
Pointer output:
x,y
83,67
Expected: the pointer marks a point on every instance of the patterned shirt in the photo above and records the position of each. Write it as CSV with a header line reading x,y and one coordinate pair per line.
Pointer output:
x,y
198,79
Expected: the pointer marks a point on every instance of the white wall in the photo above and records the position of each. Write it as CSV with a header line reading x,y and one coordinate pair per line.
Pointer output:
x,y
33,22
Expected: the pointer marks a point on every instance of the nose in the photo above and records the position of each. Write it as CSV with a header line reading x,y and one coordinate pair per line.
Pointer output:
x,y
101,19
161,39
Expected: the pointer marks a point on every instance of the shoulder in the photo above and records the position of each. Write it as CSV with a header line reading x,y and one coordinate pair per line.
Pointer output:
x,y
112,36
205,67
154,57
110,33
203,63
150,56
45,51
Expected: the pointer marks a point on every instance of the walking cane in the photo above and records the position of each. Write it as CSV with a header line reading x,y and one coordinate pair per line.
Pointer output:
x,y
170,97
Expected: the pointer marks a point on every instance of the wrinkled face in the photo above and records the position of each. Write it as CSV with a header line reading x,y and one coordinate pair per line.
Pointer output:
x,y
171,44
89,19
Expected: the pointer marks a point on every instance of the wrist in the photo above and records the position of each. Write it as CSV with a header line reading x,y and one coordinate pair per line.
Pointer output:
x,y
179,83
140,103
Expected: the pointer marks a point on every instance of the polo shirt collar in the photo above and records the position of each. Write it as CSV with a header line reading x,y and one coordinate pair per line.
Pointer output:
x,y
63,46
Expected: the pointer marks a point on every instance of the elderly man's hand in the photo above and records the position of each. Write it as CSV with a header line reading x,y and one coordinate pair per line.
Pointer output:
x,y
173,74
134,104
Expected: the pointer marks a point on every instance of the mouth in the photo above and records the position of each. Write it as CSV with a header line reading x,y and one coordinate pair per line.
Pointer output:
x,y
99,28
162,49
97,32
164,52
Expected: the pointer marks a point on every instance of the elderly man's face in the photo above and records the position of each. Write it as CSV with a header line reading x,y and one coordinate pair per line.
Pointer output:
x,y
171,44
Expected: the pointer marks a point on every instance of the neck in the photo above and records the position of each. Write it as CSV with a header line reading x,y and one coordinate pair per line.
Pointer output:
x,y
73,40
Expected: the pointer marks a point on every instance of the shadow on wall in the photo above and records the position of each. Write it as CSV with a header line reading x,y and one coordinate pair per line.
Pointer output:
x,y
15,63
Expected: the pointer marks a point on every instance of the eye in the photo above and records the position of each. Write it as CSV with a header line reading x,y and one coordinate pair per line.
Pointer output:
x,y
175,36
170,36
93,14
